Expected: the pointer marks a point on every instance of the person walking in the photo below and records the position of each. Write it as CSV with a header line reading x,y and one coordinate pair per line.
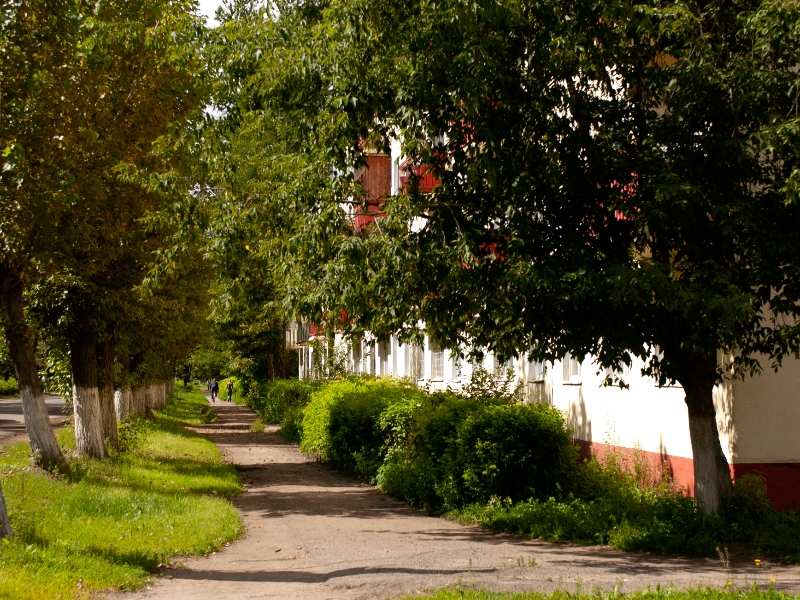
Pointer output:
x,y
214,390
229,388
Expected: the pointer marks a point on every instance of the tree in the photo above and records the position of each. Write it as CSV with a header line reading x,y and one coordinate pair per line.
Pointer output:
x,y
36,68
617,179
238,165
128,81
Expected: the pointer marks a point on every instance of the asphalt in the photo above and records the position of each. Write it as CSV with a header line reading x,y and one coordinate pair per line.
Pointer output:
x,y
12,422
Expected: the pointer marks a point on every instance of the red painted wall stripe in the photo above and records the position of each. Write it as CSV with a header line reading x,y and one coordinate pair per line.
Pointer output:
x,y
782,479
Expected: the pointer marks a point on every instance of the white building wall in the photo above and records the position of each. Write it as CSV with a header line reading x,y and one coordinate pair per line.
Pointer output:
x,y
766,413
758,418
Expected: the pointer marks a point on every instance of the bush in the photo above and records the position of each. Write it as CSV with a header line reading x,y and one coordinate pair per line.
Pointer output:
x,y
9,388
282,402
462,450
631,518
440,450
343,424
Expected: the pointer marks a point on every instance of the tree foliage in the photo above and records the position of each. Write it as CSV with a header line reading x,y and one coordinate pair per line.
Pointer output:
x,y
617,178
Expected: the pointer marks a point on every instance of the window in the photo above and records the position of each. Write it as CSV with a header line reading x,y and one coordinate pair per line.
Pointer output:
x,y
357,356
419,363
504,369
383,352
572,369
456,367
620,371
536,371
437,365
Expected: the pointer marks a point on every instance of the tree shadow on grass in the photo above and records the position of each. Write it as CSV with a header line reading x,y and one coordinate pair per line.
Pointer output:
x,y
220,478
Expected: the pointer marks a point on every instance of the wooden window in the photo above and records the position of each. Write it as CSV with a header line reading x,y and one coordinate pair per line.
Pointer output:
x,y
572,369
504,369
383,352
456,366
536,371
437,365
419,363
357,356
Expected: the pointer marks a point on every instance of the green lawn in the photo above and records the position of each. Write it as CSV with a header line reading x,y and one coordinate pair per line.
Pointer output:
x,y
109,523
658,594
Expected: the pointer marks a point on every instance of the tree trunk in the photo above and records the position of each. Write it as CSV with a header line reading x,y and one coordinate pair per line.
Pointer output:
x,y
139,401
121,403
5,524
712,475
106,391
44,445
89,437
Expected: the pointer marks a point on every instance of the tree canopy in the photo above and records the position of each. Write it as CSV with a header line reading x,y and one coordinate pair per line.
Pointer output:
x,y
614,178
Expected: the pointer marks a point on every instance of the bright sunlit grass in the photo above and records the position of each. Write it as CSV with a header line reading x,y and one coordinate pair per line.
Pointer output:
x,y
109,523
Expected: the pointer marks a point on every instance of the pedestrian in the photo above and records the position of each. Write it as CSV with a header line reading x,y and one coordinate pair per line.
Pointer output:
x,y
214,390
229,387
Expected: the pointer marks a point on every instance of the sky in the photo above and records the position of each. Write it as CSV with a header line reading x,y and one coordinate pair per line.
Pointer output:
x,y
208,8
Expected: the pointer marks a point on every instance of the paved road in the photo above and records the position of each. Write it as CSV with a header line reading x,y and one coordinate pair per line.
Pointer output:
x,y
12,423
315,534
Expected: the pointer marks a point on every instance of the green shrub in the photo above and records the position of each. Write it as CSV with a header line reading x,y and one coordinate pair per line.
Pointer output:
x,y
9,388
461,450
282,402
729,592
440,450
343,422
239,395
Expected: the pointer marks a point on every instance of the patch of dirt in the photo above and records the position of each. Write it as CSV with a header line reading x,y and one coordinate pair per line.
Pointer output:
x,y
314,533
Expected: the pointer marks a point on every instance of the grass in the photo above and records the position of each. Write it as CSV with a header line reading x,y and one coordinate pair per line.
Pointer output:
x,y
658,594
108,524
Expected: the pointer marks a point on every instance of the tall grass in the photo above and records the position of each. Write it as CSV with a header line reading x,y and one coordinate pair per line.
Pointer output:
x,y
108,524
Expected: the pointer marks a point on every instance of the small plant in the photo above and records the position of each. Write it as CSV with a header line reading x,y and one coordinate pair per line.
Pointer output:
x,y
9,388
130,431
257,426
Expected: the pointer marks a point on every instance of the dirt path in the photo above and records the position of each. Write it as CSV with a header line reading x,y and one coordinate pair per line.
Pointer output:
x,y
313,533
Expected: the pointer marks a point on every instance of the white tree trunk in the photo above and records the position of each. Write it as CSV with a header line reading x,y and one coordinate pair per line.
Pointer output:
x,y
139,401
712,478
19,337
106,392
5,524
89,437
122,403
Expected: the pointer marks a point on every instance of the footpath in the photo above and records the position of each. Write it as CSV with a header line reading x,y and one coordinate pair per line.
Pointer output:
x,y
314,533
